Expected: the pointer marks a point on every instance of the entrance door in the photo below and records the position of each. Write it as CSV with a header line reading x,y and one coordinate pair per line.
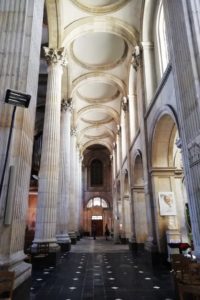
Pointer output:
x,y
99,227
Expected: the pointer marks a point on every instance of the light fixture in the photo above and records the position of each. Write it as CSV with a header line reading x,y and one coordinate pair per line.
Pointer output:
x,y
14,98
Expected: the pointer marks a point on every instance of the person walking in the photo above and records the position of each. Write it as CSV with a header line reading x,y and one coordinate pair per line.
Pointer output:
x,y
94,231
107,232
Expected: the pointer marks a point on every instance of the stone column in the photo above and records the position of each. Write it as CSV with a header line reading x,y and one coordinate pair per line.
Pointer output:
x,y
49,166
132,96
184,66
150,244
20,42
121,178
64,176
80,193
132,239
72,224
149,70
115,200
77,192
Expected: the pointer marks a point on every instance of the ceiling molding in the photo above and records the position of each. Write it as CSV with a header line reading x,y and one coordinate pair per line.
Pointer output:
x,y
97,100
94,9
109,132
102,66
99,77
100,24
100,107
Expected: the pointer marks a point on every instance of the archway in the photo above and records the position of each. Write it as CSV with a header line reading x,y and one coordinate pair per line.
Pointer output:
x,y
126,208
139,201
96,213
167,179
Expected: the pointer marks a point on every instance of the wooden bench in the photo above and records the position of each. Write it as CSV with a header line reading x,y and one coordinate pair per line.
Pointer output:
x,y
6,284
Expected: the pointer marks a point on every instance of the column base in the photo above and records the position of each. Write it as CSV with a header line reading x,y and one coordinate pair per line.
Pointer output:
x,y
44,253
64,242
73,237
15,262
150,245
78,236
116,239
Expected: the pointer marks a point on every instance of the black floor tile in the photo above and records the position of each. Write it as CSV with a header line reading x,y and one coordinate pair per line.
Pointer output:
x,y
109,276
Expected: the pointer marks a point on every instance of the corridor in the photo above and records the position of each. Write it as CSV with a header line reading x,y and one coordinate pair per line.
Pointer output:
x,y
98,269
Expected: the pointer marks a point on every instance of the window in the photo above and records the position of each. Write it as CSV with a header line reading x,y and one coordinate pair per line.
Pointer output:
x,y
97,201
96,175
162,39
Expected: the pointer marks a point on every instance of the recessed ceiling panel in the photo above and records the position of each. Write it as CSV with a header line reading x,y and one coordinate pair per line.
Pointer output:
x,y
99,49
99,6
98,2
96,116
97,90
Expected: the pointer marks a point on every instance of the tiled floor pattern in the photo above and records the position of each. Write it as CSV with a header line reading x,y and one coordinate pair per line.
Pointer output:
x,y
99,276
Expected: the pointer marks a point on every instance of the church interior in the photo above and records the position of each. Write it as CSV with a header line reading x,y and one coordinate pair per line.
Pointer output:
x,y
100,147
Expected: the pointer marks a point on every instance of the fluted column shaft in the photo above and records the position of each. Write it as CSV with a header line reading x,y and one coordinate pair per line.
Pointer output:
x,y
132,213
72,224
119,145
150,244
150,72
184,63
115,200
64,176
132,96
77,198
49,166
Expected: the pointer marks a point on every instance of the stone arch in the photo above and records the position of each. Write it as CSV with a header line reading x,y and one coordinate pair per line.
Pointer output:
x,y
54,23
167,177
139,199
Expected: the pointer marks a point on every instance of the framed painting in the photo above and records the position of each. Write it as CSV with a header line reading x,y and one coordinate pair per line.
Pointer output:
x,y
167,204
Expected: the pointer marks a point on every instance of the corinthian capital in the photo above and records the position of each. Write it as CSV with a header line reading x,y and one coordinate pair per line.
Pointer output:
x,y
136,57
53,56
125,104
66,105
73,131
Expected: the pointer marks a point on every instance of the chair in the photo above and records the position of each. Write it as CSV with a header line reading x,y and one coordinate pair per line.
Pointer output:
x,y
6,284
180,267
192,284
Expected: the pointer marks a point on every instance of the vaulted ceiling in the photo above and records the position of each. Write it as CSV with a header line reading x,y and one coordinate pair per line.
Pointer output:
x,y
99,36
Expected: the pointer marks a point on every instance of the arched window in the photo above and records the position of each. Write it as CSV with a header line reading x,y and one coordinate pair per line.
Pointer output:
x,y
96,173
97,201
163,53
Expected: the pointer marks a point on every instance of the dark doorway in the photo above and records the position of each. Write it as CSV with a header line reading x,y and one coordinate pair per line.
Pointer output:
x,y
98,224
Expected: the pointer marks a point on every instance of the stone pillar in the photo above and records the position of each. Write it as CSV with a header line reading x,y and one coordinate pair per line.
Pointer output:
x,y
149,70
80,193
20,42
150,244
64,176
187,77
115,200
77,192
132,96
49,166
132,238
72,224
121,178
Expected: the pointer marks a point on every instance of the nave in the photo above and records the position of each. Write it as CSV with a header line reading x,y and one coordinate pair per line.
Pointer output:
x,y
99,269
